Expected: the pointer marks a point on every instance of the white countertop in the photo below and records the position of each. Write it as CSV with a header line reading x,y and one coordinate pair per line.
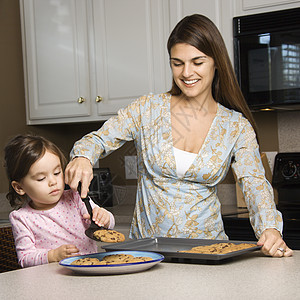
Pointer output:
x,y
252,276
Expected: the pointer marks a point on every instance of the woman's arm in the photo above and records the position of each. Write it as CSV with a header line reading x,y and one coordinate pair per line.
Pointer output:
x,y
98,144
258,192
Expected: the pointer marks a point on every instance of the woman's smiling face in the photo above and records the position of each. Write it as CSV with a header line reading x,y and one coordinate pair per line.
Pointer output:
x,y
193,71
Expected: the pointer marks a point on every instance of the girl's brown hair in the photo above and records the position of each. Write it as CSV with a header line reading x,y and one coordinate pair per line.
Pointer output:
x,y
20,154
201,33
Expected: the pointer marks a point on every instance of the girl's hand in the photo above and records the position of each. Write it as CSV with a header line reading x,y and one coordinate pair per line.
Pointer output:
x,y
100,216
62,252
273,244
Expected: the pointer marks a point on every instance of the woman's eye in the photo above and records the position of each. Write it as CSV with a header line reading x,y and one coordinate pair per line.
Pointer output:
x,y
176,63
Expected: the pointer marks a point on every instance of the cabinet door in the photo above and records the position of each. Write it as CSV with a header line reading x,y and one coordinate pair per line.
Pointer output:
x,y
259,6
218,11
56,66
131,51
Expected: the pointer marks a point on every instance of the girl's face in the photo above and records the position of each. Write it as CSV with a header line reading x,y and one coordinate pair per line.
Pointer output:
x,y
193,71
44,183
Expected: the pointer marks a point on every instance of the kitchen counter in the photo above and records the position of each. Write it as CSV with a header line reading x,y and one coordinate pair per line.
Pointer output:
x,y
251,276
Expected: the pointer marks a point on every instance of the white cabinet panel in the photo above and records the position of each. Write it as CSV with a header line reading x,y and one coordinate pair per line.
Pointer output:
x,y
182,8
55,53
252,4
125,43
219,11
248,7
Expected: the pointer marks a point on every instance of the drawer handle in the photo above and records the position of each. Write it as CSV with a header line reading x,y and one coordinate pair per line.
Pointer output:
x,y
80,100
99,99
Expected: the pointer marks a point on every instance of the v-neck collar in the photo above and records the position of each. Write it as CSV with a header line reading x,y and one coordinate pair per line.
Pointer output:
x,y
169,141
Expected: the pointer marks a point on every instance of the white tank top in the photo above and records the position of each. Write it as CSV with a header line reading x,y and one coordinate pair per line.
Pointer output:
x,y
183,161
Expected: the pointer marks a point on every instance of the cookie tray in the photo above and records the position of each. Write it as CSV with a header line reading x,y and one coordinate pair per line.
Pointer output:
x,y
169,247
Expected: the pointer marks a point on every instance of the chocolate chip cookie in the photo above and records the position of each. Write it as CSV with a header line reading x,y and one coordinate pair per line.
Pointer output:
x,y
219,248
124,259
109,236
86,261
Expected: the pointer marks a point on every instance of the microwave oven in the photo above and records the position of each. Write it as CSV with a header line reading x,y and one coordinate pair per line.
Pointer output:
x,y
267,59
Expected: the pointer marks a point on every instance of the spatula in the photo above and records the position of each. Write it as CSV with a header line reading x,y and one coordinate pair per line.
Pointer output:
x,y
93,227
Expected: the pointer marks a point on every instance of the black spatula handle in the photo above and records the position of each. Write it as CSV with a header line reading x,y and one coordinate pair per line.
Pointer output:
x,y
87,203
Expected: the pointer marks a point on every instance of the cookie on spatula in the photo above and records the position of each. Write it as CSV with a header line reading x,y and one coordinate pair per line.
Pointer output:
x,y
109,236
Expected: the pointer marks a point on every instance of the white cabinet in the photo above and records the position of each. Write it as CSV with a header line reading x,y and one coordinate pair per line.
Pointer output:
x,y
130,50
247,7
85,59
55,51
219,11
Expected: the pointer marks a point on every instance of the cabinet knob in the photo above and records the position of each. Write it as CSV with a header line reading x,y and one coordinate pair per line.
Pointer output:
x,y
99,99
80,100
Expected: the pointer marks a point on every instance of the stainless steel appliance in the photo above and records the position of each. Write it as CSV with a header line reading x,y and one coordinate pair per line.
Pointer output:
x,y
267,58
286,179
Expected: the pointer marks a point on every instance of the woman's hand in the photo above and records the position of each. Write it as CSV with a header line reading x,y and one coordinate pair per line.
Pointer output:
x,y
273,244
79,170
100,216
62,252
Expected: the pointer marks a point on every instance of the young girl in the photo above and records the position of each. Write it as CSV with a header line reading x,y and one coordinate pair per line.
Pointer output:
x,y
49,222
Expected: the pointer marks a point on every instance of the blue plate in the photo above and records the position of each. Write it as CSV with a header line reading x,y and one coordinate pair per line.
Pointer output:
x,y
114,268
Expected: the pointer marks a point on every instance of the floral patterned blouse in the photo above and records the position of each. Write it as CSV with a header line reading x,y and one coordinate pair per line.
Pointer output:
x,y
185,207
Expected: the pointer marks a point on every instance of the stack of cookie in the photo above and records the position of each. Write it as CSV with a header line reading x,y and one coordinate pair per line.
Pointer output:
x,y
111,260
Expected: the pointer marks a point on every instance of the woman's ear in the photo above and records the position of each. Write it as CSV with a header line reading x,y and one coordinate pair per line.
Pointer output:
x,y
18,188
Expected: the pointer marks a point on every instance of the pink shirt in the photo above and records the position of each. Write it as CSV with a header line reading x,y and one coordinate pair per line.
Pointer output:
x,y
38,231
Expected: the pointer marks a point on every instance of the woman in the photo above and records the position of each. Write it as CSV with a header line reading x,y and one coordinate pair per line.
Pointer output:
x,y
186,140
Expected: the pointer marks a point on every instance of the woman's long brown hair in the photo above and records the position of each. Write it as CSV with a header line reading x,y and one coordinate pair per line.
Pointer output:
x,y
201,33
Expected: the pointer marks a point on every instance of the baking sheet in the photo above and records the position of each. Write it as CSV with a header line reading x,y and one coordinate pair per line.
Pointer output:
x,y
169,248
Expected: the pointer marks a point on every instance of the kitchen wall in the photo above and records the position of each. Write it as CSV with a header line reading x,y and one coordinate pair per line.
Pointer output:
x,y
277,131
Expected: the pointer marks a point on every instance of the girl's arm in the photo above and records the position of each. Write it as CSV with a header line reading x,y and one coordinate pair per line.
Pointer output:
x,y
28,254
